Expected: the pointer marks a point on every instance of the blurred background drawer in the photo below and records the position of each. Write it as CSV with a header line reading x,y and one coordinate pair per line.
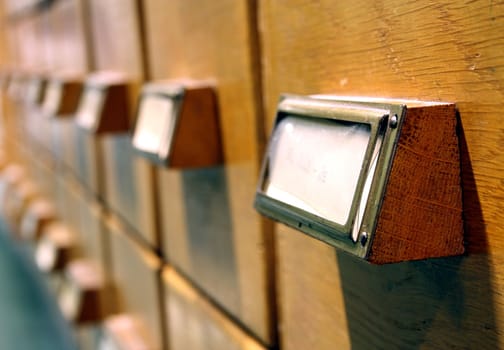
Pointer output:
x,y
136,276
194,323
210,231
129,186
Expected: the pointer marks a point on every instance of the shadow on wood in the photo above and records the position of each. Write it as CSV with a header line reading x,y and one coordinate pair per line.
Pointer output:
x,y
435,304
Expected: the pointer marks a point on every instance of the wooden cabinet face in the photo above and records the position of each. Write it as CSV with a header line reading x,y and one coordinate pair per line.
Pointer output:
x,y
395,49
67,48
136,277
95,244
125,179
195,324
87,167
128,185
218,241
115,36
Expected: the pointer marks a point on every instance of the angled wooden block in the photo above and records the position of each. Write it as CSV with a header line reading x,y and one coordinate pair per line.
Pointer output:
x,y
178,125
104,105
85,296
421,213
378,178
62,95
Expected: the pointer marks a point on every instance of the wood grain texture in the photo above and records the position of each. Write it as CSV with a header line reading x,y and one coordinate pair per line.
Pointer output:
x,y
66,53
115,37
447,51
116,111
126,179
94,243
421,214
136,277
115,41
70,98
127,184
66,48
197,141
5,54
196,323
86,159
214,40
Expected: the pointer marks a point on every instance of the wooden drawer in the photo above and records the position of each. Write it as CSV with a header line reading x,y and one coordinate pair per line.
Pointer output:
x,y
63,145
136,276
115,36
394,49
126,182
80,210
94,241
87,160
66,200
210,230
194,323
129,185
68,49
45,177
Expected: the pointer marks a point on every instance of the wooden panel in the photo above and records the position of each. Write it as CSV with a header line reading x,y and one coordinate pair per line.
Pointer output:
x,y
447,51
64,207
84,215
30,41
5,54
127,182
136,276
88,154
115,36
220,246
128,185
27,39
67,42
195,324
95,244
67,51
64,148
49,40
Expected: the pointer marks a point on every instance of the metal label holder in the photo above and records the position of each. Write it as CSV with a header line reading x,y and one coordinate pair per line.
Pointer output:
x,y
356,234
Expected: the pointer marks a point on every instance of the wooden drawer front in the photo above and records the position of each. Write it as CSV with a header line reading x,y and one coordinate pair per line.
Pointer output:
x,y
396,50
88,164
62,142
125,182
223,248
46,178
63,204
93,239
210,260
115,37
194,323
36,130
128,185
67,46
136,275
